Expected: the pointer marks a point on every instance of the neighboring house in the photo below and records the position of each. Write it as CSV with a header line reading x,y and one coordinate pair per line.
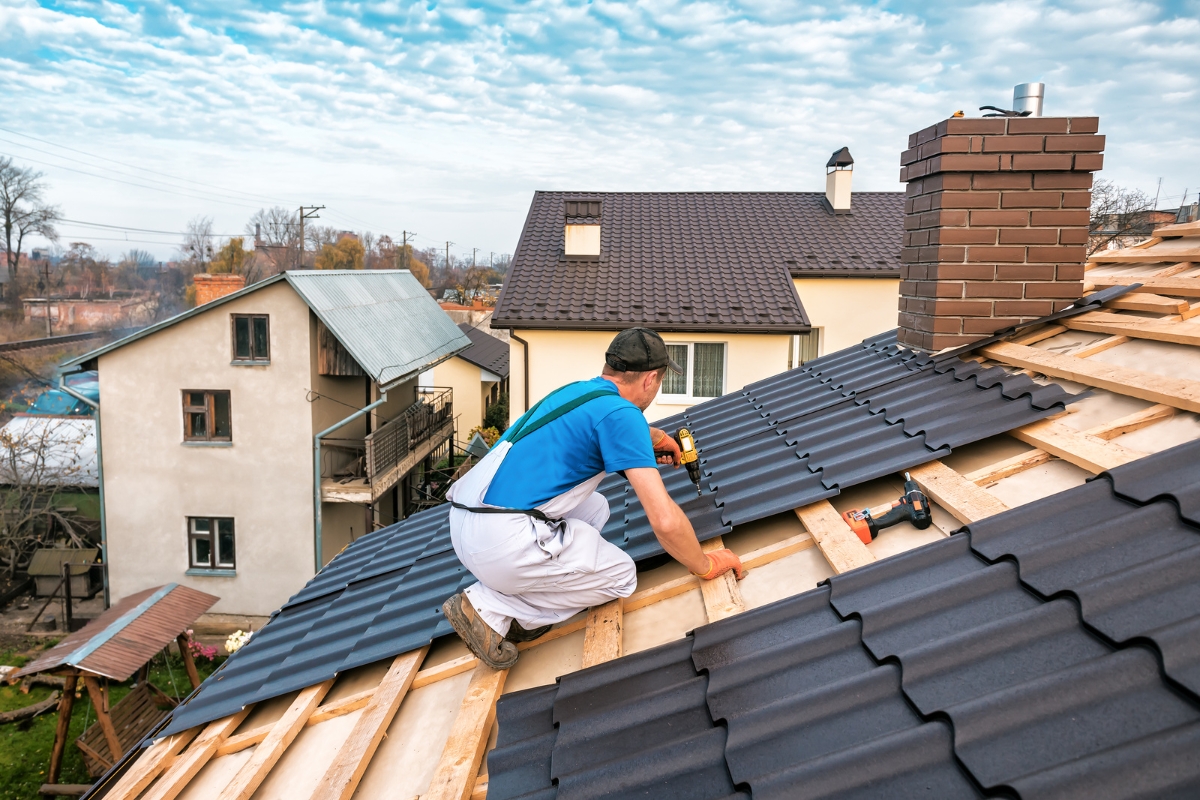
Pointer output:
x,y
208,422
478,376
742,285
71,314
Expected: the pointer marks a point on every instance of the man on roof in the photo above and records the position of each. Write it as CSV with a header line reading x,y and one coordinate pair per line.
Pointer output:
x,y
526,520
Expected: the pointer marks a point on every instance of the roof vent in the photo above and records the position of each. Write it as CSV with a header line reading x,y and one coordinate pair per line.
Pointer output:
x,y
839,169
581,234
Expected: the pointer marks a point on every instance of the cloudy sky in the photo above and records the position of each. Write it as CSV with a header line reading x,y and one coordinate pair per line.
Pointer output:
x,y
443,118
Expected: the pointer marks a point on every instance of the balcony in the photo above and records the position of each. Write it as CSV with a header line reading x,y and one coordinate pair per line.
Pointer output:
x,y
362,470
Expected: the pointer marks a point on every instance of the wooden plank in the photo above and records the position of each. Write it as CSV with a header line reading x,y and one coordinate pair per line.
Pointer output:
x,y
192,760
1149,256
1154,303
722,596
838,543
1044,332
1131,422
443,671
150,764
454,776
1176,392
342,778
1174,269
283,732
603,636
1175,287
480,790
99,702
1135,327
342,707
774,552
965,501
1100,346
1081,449
664,591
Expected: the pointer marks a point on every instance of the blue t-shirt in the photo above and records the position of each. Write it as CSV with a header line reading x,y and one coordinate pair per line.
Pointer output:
x,y
607,434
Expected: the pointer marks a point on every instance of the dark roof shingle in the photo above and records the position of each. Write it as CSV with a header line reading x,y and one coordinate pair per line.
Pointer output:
x,y
711,261
486,351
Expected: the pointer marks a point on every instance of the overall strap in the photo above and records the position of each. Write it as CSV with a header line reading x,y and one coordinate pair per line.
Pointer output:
x,y
523,429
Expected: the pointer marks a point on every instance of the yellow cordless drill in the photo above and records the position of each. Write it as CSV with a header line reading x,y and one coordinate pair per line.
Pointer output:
x,y
688,456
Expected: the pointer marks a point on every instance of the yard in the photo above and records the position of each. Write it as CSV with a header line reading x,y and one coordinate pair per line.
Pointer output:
x,y
25,746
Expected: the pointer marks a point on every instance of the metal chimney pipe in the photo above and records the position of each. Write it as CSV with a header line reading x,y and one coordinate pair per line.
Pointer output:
x,y
1028,97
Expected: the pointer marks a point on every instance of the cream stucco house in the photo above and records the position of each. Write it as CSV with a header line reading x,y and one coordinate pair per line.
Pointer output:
x,y
209,420
742,285
478,376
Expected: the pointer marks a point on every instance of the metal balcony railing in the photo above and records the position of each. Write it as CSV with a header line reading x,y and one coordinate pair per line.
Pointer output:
x,y
394,441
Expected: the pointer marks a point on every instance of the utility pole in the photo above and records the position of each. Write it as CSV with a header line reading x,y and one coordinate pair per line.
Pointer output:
x,y
44,285
310,213
404,249
448,255
474,250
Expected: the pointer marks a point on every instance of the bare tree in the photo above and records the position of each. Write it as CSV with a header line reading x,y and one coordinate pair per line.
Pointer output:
x,y
23,209
197,247
278,231
40,459
1119,217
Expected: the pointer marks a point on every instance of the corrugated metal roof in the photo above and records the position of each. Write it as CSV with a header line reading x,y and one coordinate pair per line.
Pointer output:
x,y
1049,651
384,318
776,445
118,642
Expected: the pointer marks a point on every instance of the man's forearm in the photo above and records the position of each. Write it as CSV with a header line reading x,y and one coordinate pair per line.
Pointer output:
x,y
678,538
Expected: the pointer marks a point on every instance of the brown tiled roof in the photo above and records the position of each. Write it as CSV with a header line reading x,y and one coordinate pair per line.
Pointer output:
x,y
716,261
486,351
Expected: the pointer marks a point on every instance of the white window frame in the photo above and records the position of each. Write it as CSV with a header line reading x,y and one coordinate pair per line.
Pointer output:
x,y
689,375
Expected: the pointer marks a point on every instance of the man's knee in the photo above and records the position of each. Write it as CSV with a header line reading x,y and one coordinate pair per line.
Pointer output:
x,y
594,511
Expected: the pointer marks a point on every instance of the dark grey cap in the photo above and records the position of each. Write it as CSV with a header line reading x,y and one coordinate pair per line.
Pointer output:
x,y
639,350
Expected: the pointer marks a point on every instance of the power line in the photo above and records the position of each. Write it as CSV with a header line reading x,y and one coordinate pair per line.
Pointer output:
x,y
136,230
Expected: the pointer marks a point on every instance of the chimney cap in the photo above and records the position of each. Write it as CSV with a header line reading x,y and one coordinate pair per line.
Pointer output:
x,y
841,159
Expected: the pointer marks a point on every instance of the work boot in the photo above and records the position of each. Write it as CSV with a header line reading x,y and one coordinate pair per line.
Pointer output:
x,y
488,646
516,633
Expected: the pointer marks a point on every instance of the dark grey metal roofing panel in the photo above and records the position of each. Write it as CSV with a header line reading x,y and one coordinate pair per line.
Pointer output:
x,y
519,765
1055,640
639,727
486,351
779,444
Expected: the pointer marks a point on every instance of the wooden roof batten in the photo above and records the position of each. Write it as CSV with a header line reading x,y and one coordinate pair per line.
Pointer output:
x,y
964,495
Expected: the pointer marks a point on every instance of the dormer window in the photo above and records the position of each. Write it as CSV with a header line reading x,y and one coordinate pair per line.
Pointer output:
x,y
581,234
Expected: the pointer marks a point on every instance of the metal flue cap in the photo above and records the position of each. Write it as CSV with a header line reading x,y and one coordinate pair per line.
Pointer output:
x,y
1028,97
841,159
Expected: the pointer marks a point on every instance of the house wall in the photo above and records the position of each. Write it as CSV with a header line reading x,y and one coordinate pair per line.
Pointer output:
x,y
465,379
153,481
560,357
849,310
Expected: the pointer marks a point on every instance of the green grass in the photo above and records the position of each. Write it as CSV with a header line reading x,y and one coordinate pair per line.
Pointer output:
x,y
25,754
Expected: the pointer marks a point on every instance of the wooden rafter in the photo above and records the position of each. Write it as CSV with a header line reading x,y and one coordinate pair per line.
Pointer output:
x,y
348,767
1178,392
965,501
1154,303
1175,287
192,760
603,634
283,732
722,596
838,543
454,775
150,765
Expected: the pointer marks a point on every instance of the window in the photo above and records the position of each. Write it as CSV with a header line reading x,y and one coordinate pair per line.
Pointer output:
x,y
703,375
210,543
251,339
206,416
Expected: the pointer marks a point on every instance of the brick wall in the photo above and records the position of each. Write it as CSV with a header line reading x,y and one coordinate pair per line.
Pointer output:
x,y
996,224
210,287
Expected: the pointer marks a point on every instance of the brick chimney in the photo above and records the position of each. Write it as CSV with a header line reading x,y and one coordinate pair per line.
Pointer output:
x,y
996,223
211,287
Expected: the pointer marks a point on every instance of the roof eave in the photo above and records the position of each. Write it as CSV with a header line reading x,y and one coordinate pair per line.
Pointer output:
x,y
845,273
672,327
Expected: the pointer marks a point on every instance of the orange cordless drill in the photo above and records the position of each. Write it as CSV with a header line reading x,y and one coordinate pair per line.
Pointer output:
x,y
912,507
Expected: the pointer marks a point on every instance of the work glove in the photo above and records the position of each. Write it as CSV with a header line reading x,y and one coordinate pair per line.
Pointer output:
x,y
720,562
665,447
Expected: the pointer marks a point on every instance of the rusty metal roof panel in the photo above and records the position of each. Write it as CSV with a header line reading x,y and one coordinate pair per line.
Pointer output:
x,y
118,642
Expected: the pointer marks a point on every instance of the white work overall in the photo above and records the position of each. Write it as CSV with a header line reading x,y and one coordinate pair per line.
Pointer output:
x,y
536,572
